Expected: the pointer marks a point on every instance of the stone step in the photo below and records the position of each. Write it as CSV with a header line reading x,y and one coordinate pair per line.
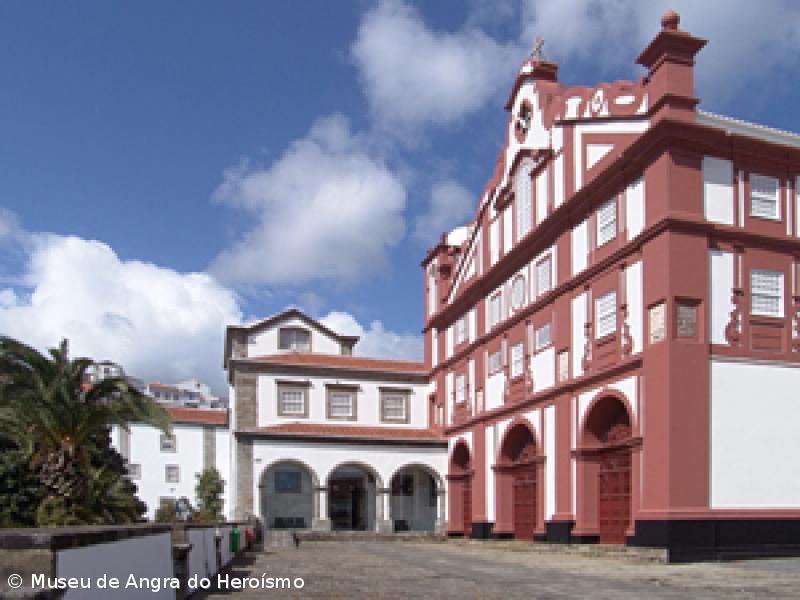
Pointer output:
x,y
280,538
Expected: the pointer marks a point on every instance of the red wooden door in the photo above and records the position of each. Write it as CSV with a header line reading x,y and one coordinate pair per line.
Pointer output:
x,y
524,502
467,503
614,496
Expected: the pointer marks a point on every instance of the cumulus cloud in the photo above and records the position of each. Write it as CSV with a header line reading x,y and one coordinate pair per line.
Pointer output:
x,y
413,75
325,210
747,41
375,340
451,205
156,322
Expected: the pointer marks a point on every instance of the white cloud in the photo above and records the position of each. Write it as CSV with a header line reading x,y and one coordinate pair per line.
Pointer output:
x,y
375,341
451,205
747,40
326,210
413,75
156,322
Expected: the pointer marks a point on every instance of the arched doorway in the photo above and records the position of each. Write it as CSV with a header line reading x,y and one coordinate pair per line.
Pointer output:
x,y
460,483
287,495
518,482
414,499
608,440
351,497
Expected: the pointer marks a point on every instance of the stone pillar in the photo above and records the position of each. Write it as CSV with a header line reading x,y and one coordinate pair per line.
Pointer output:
x,y
209,447
383,517
321,521
244,478
441,511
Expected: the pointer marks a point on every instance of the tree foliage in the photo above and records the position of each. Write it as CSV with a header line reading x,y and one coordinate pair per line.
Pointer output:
x,y
209,490
60,424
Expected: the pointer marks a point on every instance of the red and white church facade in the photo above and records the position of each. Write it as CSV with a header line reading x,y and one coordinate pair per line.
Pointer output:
x,y
613,340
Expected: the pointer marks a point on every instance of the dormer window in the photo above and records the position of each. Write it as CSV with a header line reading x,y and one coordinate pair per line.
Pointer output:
x,y
294,338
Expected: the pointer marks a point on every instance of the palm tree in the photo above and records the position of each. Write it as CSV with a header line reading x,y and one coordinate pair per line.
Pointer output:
x,y
49,411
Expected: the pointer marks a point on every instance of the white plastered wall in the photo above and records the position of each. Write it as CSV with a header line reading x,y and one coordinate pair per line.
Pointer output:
x,y
754,413
720,269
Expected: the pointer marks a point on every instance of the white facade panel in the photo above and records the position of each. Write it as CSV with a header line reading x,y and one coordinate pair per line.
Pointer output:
x,y
550,463
578,333
491,452
718,203
580,247
495,384
558,181
472,325
508,232
543,366
754,415
634,297
720,269
635,208
542,196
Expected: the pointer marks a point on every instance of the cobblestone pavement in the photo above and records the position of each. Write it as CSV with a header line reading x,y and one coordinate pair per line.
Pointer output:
x,y
474,570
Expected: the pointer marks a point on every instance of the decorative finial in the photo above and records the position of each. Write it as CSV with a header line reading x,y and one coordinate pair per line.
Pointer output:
x,y
536,53
670,20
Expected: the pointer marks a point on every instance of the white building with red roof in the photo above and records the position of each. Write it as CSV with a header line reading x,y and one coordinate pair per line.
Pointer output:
x,y
165,467
327,440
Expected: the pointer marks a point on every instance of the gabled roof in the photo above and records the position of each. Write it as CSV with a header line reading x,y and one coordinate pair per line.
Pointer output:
x,y
347,340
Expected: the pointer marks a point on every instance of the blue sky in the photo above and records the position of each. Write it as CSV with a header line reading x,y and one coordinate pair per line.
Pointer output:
x,y
172,167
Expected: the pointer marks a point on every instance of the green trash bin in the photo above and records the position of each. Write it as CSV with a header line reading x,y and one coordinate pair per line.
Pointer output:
x,y
235,538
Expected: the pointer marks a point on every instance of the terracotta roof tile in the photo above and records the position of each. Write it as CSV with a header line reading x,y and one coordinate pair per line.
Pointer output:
x,y
336,360
350,431
181,414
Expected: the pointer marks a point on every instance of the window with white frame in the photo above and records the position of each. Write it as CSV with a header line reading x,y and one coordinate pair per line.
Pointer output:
x,y
394,407
764,197
292,401
341,404
495,309
495,362
518,292
461,389
517,360
522,191
766,293
544,276
172,474
542,337
168,443
605,311
461,330
607,222
294,338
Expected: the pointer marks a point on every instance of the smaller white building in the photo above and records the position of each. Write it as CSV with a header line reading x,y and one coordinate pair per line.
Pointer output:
x,y
327,440
165,468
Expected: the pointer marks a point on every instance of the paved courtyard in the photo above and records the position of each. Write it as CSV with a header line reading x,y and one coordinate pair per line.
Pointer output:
x,y
333,569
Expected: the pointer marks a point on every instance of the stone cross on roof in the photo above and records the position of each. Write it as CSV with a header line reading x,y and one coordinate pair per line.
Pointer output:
x,y
536,53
